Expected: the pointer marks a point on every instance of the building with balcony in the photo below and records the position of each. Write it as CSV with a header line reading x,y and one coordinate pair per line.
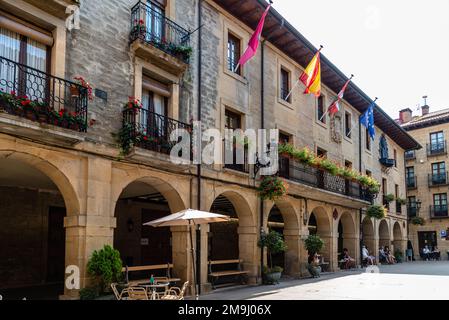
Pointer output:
x,y
427,178
87,167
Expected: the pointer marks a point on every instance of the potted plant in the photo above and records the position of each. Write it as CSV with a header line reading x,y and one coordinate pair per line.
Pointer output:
x,y
417,221
376,211
75,90
105,266
401,201
314,244
272,188
389,197
274,243
398,255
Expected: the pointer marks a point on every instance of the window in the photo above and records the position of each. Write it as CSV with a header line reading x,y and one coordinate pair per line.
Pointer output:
x,y
154,113
438,173
233,53
436,142
155,16
285,85
367,140
284,138
395,156
411,206
440,204
348,164
24,50
320,109
369,173
234,121
348,124
410,177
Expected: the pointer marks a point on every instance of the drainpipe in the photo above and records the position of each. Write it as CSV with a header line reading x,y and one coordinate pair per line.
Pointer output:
x,y
360,210
199,69
262,126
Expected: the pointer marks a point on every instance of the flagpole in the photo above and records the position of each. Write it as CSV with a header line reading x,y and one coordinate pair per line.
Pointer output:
x,y
324,114
296,83
236,67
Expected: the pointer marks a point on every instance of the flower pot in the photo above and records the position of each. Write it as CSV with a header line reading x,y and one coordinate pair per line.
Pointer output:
x,y
273,277
30,115
74,126
43,118
74,91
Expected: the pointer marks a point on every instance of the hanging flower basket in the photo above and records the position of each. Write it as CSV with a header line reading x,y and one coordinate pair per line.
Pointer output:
x,y
417,221
376,211
272,188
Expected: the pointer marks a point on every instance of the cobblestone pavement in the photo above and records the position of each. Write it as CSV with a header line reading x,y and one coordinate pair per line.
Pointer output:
x,y
416,280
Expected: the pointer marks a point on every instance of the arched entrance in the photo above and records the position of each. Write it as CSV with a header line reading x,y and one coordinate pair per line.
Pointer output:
x,y
398,242
141,201
384,234
320,224
347,236
282,218
35,199
368,236
235,239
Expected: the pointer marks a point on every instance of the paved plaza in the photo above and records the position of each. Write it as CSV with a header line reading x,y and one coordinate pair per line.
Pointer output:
x,y
404,281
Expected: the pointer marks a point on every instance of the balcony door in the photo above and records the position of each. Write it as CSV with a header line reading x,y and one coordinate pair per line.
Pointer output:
x,y
438,173
440,204
18,48
153,117
436,142
155,17
410,176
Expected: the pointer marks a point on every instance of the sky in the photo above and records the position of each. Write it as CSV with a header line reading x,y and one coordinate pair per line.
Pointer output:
x,y
398,50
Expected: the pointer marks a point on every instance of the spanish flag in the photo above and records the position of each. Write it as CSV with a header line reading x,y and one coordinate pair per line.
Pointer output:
x,y
311,77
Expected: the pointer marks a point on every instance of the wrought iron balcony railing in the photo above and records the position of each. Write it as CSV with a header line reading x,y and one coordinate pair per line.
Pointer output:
x,y
150,130
438,211
302,173
387,162
411,182
438,179
30,93
153,27
436,148
412,210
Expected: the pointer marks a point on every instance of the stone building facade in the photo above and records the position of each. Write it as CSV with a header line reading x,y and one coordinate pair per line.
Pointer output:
x,y
427,179
63,182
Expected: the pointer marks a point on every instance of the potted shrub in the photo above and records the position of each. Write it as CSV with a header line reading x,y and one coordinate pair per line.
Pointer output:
x,y
417,221
376,211
314,244
398,255
274,243
105,266
272,188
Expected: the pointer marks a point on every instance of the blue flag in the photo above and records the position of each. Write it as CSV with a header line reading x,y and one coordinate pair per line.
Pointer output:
x,y
367,120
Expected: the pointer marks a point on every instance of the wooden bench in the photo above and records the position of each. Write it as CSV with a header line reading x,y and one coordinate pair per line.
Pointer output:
x,y
213,275
167,277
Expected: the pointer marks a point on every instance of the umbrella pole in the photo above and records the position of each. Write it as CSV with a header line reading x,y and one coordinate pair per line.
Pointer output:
x,y
193,262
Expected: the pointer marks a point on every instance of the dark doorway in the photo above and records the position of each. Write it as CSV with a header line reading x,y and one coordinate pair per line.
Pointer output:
x,y
427,238
276,223
155,242
56,245
340,240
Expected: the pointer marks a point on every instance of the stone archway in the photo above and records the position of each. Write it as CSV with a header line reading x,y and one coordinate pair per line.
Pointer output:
x,y
384,234
289,226
398,240
347,235
36,191
368,236
142,200
320,224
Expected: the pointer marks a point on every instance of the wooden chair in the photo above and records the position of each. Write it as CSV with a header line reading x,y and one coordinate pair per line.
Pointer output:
x,y
119,295
137,293
174,293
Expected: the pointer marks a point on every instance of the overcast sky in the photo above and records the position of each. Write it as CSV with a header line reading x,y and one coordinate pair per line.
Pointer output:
x,y
398,50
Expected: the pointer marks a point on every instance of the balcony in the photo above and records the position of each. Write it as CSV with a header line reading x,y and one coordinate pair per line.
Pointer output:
x,y
153,36
436,148
56,8
387,162
151,131
410,155
37,105
412,210
438,179
313,177
438,212
411,183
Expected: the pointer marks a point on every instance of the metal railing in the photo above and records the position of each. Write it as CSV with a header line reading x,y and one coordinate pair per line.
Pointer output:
x,y
438,211
313,177
150,130
438,179
38,96
411,182
153,27
412,210
410,155
436,148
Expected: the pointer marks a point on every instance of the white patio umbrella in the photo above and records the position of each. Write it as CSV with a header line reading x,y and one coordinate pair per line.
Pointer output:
x,y
188,217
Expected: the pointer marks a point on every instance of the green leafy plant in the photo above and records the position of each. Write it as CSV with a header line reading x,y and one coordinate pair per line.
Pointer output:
x,y
401,201
389,197
105,266
274,242
272,188
89,293
376,211
418,221
314,244
398,255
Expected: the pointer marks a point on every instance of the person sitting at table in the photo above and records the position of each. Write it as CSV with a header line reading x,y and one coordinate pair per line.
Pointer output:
x,y
382,256
390,257
313,265
426,253
348,261
371,260
435,253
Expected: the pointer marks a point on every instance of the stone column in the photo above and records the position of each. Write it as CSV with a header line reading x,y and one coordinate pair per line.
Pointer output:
x,y
182,261
205,284
352,243
292,254
249,253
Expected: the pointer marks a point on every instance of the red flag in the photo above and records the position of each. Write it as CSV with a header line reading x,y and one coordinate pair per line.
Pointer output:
x,y
253,43
311,77
335,106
